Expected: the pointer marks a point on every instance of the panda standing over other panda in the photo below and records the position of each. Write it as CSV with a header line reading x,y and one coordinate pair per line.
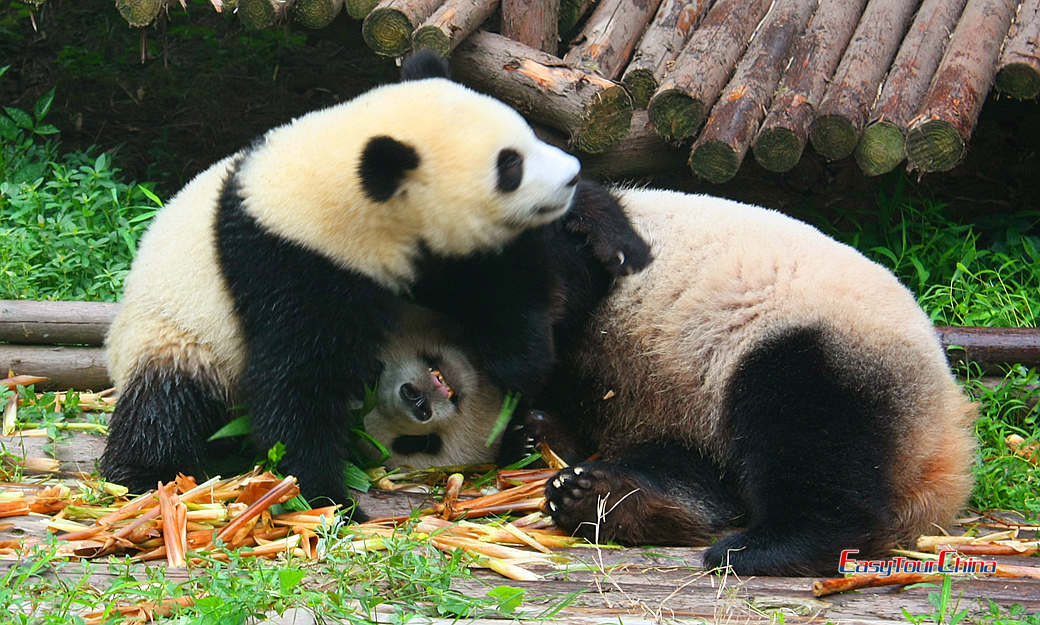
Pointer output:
x,y
757,376
275,277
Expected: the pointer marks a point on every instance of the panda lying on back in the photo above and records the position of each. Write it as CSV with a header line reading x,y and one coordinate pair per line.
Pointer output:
x,y
760,375
274,277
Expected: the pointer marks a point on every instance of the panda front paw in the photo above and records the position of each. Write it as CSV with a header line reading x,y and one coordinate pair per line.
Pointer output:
x,y
615,244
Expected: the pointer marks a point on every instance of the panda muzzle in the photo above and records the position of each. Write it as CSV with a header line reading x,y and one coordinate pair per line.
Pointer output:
x,y
416,400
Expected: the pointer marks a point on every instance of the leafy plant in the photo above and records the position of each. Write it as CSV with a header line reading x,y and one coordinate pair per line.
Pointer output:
x,y
946,613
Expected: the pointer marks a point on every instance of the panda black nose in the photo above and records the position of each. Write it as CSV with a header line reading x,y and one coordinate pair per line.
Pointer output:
x,y
416,400
573,181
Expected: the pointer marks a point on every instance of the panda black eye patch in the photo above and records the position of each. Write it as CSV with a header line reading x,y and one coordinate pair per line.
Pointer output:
x,y
510,170
384,162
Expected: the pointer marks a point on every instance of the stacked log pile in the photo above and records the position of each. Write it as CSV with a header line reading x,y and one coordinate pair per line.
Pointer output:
x,y
883,80
62,341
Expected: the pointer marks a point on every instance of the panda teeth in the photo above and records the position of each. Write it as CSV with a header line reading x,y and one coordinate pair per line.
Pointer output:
x,y
436,373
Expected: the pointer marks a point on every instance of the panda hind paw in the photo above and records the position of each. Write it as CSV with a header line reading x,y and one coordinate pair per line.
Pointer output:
x,y
589,500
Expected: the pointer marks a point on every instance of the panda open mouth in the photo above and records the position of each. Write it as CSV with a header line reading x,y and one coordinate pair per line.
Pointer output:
x,y
440,383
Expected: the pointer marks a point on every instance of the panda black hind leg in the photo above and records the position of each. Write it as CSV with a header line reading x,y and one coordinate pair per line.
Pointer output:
x,y
159,426
811,447
659,493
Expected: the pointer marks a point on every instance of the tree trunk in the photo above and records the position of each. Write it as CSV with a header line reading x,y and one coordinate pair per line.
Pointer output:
x,y
55,323
1018,70
606,42
594,112
261,14
533,23
80,368
701,70
450,24
137,13
316,13
718,152
388,28
785,131
359,9
661,43
883,145
843,110
938,134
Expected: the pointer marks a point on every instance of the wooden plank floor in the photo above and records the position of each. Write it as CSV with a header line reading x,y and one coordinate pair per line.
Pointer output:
x,y
632,586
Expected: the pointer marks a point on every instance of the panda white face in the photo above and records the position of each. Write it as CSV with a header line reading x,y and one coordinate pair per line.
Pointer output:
x,y
426,162
434,408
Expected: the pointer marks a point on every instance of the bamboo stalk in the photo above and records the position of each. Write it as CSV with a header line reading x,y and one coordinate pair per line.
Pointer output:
x,y
594,112
781,140
388,28
533,23
680,104
1018,69
883,145
672,25
718,152
451,23
609,36
824,587
938,135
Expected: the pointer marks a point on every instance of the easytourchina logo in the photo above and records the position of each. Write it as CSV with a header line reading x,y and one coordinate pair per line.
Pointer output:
x,y
949,562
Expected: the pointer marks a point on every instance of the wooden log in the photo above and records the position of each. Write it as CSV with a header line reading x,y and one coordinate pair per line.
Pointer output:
x,y
938,135
1018,69
843,111
661,43
703,67
883,145
139,13
718,152
534,23
571,12
785,130
80,368
55,323
640,152
316,13
261,14
451,23
359,9
991,345
608,38
388,28
594,112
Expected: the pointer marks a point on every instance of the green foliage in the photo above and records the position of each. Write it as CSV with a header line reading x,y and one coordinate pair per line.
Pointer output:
x,y
68,225
946,613
985,273
1003,479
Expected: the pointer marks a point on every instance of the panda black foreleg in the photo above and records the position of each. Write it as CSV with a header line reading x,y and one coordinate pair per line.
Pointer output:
x,y
812,453
160,425
657,493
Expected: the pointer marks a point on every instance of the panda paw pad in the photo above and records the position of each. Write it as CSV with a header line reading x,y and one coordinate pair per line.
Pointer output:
x,y
584,500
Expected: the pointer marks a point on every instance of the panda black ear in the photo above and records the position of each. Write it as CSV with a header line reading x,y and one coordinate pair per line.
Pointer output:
x,y
384,163
425,63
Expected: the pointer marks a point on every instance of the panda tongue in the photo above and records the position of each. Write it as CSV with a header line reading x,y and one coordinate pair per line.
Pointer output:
x,y
440,384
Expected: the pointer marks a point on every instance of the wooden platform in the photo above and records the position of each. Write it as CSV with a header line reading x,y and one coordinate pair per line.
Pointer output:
x,y
635,585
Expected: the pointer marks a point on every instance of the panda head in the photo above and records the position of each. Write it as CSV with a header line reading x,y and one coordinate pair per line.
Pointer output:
x,y
434,407
421,163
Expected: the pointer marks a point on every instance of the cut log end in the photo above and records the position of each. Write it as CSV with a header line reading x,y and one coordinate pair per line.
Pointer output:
x,y
257,14
715,161
606,120
388,31
934,145
315,14
833,136
641,85
359,9
881,149
139,13
432,38
1019,80
675,115
778,149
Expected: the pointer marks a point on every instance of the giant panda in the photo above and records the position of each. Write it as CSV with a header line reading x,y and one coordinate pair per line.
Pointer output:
x,y
757,375
274,277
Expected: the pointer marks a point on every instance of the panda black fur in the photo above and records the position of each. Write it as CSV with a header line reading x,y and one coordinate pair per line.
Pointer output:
x,y
757,375
275,276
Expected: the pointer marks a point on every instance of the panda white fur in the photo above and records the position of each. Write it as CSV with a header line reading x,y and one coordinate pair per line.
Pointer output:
x,y
761,375
274,276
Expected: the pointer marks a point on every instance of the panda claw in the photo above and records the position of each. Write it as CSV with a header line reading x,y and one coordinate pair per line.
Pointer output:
x,y
552,507
578,470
